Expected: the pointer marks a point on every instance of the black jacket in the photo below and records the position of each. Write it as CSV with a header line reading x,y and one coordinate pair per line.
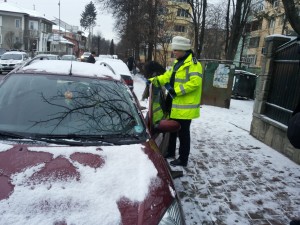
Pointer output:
x,y
293,131
91,59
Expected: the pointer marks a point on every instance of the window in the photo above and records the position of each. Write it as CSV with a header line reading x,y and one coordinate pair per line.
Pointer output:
x,y
251,59
272,23
256,25
282,19
163,10
0,39
183,12
0,21
275,3
254,42
247,27
18,23
179,28
17,39
33,25
258,6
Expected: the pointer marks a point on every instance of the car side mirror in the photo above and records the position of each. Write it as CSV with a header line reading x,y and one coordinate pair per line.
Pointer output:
x,y
167,125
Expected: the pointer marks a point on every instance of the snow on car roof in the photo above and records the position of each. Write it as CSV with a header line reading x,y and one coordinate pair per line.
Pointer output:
x,y
14,52
117,65
89,200
64,67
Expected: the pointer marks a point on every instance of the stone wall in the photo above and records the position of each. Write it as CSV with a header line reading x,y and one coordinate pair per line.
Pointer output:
x,y
270,132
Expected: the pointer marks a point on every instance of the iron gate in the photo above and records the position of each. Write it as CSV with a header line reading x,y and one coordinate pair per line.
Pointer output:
x,y
284,93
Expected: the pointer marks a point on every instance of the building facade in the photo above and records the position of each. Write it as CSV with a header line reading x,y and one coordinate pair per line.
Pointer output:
x,y
34,33
267,18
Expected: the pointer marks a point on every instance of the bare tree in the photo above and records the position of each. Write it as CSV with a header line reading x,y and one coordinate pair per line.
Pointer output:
x,y
292,13
165,24
214,38
198,16
9,39
236,18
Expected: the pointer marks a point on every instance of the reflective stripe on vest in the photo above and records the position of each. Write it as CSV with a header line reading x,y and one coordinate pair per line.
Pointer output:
x,y
186,106
182,89
188,75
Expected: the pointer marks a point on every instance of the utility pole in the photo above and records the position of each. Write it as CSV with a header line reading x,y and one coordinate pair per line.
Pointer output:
x,y
59,26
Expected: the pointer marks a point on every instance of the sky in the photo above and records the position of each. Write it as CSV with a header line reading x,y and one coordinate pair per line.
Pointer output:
x,y
70,12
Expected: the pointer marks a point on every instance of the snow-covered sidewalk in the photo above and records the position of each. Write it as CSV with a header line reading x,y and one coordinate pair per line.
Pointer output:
x,y
232,178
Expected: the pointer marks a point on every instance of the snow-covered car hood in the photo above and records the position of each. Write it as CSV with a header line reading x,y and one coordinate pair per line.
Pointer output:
x,y
82,185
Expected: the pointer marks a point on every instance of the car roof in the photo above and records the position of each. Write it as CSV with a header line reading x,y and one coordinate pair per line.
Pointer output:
x,y
14,52
46,54
64,68
117,65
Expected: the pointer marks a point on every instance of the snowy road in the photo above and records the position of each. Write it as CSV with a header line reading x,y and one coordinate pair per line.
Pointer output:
x,y
232,178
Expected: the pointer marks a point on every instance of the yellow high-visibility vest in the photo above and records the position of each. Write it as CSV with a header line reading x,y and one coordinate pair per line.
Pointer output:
x,y
187,86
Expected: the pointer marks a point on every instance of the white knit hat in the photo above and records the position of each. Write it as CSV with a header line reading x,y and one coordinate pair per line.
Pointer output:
x,y
181,43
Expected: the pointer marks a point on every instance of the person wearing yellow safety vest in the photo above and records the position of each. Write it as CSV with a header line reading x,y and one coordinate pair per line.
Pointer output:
x,y
184,85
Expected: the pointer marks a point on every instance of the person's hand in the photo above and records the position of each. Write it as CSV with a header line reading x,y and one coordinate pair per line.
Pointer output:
x,y
148,82
170,90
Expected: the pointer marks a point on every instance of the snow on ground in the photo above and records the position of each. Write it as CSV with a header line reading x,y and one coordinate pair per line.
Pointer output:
x,y
232,178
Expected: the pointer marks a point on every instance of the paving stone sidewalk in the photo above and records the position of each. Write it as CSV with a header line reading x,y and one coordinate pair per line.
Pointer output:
x,y
233,179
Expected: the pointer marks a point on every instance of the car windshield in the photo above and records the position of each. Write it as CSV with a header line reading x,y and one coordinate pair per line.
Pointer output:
x,y
67,57
64,105
11,56
51,57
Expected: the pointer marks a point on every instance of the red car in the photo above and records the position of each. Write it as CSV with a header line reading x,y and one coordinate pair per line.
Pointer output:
x,y
76,149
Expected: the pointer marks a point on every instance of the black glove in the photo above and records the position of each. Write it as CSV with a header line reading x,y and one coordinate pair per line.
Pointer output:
x,y
170,90
148,82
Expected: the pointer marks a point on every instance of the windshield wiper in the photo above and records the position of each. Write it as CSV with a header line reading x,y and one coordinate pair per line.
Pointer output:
x,y
73,139
11,135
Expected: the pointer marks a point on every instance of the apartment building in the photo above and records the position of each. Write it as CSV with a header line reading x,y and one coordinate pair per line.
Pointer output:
x,y
267,18
175,14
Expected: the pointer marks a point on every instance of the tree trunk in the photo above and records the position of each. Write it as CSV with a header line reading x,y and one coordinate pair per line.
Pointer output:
x,y
292,14
202,28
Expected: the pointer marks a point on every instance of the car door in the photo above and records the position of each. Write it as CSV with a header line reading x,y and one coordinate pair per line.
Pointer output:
x,y
156,113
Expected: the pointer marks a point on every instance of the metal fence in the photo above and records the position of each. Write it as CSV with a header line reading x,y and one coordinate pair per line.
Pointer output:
x,y
284,93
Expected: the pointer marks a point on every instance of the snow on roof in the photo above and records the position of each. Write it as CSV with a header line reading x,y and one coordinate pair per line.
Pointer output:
x,y
89,200
118,66
244,72
62,40
62,29
63,67
8,7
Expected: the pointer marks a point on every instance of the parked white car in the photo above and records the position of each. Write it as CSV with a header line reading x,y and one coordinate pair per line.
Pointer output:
x,y
11,60
118,67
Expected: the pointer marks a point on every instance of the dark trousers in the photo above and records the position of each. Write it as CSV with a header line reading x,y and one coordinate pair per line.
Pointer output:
x,y
184,138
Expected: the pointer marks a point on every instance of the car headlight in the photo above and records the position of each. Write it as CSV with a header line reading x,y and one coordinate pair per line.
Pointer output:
x,y
173,215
